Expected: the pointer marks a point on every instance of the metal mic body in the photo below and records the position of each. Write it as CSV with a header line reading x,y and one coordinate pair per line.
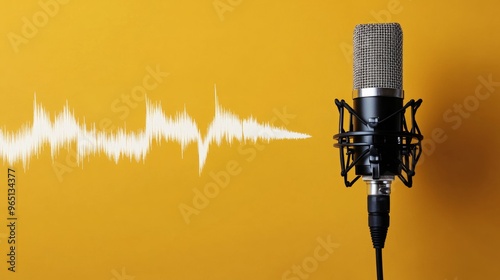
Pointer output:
x,y
378,99
379,144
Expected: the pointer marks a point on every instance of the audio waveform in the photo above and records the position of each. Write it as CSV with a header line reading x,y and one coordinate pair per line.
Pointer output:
x,y
65,130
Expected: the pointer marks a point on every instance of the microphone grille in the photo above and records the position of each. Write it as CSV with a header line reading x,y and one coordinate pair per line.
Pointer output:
x,y
378,56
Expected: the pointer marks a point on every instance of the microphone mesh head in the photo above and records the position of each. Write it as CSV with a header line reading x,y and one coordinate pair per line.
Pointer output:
x,y
378,56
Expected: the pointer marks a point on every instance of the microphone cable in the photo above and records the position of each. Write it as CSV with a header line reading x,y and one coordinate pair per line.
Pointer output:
x,y
380,271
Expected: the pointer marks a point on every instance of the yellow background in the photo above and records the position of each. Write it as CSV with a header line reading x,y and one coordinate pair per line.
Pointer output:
x,y
103,220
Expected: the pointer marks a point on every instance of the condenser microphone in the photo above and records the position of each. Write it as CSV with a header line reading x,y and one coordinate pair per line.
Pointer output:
x,y
378,143
377,94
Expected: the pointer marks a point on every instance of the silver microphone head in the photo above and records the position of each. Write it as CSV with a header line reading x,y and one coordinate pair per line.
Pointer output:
x,y
378,56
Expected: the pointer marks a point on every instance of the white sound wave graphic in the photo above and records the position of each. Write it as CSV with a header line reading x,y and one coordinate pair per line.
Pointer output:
x,y
22,145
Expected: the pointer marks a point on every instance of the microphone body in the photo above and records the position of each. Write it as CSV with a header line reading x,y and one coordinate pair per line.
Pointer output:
x,y
378,93
380,142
